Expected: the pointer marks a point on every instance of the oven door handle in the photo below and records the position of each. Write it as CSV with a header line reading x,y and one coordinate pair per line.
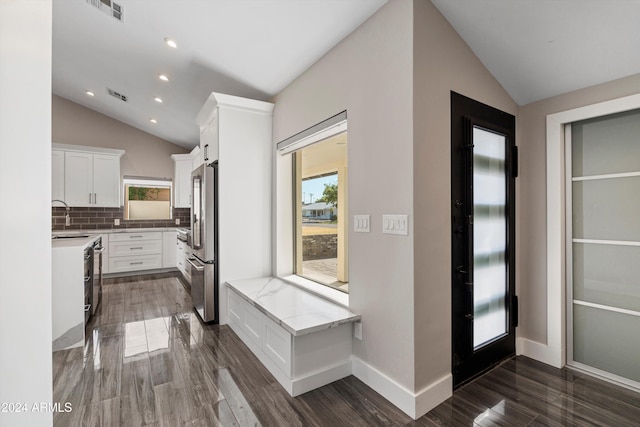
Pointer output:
x,y
197,267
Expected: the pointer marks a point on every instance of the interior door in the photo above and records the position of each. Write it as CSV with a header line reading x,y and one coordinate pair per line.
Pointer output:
x,y
483,171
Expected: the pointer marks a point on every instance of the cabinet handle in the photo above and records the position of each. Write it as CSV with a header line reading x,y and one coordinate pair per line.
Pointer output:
x,y
95,199
89,198
135,263
138,247
206,152
135,237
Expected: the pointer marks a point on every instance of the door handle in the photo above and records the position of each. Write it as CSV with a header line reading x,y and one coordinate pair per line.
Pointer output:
x,y
460,270
197,267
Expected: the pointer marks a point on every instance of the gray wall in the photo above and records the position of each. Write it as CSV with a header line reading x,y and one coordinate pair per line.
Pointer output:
x,y
531,249
370,75
442,63
146,155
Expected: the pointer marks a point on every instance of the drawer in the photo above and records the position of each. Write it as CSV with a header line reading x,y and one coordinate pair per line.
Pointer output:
x,y
134,248
134,263
130,237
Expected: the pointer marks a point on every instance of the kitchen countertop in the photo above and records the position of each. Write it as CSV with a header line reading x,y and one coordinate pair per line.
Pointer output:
x,y
82,242
296,310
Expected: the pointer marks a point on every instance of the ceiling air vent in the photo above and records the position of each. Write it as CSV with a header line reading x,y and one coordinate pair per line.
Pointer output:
x,y
120,96
109,7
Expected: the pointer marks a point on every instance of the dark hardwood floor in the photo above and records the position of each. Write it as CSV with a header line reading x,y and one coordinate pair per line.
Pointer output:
x,y
151,362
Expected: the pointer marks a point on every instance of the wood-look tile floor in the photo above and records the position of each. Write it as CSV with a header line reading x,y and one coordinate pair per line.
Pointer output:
x,y
151,362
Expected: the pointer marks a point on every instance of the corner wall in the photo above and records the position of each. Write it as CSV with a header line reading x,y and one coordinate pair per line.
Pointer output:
x,y
25,200
532,204
145,154
370,75
442,63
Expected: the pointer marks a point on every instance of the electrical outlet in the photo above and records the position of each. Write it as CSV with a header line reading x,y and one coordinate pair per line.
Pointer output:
x,y
177,221
357,330
116,221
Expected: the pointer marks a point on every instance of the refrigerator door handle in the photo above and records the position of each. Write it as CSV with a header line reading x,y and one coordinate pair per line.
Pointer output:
x,y
197,267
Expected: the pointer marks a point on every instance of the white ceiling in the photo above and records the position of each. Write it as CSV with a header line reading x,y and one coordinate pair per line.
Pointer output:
x,y
250,48
540,48
255,48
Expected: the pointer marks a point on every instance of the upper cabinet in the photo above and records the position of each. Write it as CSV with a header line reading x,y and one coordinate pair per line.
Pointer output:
x,y
184,164
91,176
57,175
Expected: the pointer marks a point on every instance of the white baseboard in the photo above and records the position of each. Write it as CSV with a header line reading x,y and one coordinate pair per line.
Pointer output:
x,y
413,404
541,352
320,378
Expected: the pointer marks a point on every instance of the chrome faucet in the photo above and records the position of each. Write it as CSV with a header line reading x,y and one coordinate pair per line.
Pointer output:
x,y
67,220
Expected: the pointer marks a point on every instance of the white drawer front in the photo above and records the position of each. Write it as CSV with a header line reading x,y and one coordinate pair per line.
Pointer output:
x,y
143,247
130,237
235,309
277,345
134,263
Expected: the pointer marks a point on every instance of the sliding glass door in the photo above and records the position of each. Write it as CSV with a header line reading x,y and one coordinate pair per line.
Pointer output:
x,y
603,246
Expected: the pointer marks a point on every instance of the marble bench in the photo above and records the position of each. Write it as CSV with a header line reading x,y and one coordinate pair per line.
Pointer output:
x,y
302,339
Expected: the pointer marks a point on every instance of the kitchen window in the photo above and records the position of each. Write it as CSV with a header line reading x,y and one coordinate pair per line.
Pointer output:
x,y
320,204
147,198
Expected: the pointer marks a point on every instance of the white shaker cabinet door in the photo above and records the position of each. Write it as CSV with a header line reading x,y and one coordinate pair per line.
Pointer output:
x,y
57,175
78,178
106,180
183,183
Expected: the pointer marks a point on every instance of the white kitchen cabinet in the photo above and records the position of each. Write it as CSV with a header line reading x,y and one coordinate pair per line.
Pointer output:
x,y
183,252
135,251
209,139
182,180
237,132
57,175
91,176
169,249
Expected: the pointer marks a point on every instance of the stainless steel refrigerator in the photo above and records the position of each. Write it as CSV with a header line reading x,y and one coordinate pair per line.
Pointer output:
x,y
204,262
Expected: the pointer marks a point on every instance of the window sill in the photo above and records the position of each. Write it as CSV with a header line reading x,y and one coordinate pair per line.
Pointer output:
x,y
322,291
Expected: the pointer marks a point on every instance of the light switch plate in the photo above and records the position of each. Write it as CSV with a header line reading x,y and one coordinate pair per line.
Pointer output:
x,y
361,224
116,221
177,221
395,224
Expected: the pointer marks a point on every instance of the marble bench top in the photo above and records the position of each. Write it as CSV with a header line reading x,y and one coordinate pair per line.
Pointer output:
x,y
296,310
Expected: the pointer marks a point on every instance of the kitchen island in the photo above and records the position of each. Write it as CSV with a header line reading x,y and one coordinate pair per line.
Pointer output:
x,y
68,290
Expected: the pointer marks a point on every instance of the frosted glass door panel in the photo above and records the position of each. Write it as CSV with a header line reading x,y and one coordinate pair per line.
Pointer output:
x,y
607,209
607,275
607,340
606,145
489,237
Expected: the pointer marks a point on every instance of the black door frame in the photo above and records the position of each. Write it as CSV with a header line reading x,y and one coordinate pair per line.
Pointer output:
x,y
465,114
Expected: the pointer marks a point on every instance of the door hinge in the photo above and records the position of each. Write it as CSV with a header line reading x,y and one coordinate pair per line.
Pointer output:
x,y
514,161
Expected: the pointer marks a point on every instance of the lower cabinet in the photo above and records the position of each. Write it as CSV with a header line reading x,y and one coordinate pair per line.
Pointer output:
x,y
183,252
135,251
300,363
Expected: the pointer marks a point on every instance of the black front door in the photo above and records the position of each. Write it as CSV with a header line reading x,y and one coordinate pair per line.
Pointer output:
x,y
483,171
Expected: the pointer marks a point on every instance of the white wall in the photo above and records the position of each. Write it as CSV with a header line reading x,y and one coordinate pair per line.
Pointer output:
x,y
369,74
25,213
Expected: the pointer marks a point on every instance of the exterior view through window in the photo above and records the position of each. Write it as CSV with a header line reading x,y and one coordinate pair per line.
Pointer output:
x,y
321,217
147,199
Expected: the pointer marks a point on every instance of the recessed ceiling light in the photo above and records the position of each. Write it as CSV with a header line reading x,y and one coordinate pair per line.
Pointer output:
x,y
89,93
154,121
170,43
158,99
163,77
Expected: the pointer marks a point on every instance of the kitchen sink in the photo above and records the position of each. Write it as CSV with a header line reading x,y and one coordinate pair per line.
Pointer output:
x,y
68,236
